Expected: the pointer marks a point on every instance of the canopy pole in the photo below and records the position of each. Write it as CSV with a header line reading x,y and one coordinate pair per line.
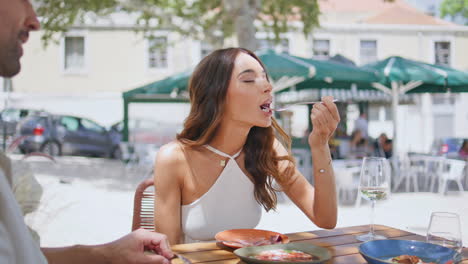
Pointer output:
x,y
125,121
395,97
382,88
410,86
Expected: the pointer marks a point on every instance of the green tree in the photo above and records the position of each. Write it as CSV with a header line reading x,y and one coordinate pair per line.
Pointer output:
x,y
455,8
211,20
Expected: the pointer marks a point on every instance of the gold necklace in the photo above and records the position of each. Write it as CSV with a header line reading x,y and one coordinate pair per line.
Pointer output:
x,y
222,163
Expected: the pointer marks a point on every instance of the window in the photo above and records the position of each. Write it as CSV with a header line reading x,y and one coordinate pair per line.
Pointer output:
x,y
205,49
13,114
270,44
380,113
374,113
368,51
70,123
321,49
442,99
157,53
442,53
74,53
90,125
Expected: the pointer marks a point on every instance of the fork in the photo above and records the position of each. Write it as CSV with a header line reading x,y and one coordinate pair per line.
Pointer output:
x,y
184,259
284,108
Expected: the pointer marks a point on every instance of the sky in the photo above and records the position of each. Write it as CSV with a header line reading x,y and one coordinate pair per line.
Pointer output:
x,y
432,7
428,6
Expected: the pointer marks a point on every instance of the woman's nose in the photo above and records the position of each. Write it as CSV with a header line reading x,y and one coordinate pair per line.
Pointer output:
x,y
267,86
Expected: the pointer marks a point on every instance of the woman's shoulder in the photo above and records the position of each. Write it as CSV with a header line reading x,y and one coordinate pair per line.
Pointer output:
x,y
171,163
171,153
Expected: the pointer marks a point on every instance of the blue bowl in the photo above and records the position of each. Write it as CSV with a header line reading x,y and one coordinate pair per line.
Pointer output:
x,y
380,251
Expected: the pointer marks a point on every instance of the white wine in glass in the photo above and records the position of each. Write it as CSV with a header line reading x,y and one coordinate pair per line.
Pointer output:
x,y
374,186
374,193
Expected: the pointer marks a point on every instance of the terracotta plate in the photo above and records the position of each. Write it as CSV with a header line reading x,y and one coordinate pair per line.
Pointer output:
x,y
238,238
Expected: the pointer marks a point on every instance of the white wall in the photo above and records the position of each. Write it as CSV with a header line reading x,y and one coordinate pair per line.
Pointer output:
x,y
116,61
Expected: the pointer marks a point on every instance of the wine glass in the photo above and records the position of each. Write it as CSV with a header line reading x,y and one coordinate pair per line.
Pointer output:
x,y
374,185
444,229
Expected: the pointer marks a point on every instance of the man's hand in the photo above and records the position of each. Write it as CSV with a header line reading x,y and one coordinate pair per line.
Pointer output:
x,y
131,248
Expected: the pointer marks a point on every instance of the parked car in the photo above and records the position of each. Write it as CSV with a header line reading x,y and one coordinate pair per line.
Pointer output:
x,y
9,118
447,146
67,135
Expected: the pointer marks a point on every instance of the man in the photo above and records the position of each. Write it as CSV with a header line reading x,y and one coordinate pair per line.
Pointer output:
x,y
17,19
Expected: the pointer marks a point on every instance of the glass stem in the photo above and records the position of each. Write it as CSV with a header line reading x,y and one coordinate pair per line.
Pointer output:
x,y
372,218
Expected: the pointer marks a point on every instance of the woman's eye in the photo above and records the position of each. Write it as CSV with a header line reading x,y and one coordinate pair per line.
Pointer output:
x,y
249,81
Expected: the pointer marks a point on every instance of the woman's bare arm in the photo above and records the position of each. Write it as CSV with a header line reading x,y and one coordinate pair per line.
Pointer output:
x,y
319,203
168,182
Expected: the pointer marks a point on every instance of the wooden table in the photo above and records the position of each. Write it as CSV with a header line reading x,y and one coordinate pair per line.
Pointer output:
x,y
340,241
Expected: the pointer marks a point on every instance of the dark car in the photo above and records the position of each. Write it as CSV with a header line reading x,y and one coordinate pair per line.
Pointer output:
x,y
67,135
447,146
9,118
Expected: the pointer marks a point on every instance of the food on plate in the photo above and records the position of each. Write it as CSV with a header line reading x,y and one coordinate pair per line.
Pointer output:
x,y
409,259
276,239
284,255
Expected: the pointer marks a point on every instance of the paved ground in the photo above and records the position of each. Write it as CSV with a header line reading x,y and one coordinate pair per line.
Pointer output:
x,y
90,201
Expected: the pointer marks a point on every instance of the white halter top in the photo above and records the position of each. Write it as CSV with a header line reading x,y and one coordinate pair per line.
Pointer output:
x,y
228,204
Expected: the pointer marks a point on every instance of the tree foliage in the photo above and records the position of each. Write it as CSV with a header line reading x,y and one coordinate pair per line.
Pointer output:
x,y
454,8
58,15
212,20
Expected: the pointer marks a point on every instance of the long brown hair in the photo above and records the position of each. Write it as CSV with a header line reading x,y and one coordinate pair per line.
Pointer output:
x,y
208,88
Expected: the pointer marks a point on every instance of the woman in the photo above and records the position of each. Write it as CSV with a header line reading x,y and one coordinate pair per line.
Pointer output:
x,y
221,169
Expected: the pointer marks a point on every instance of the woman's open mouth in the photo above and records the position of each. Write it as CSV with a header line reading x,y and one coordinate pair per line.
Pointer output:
x,y
265,108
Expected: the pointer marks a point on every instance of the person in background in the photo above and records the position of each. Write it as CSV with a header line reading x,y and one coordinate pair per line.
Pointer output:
x,y
383,146
334,145
463,152
362,125
388,148
358,146
17,19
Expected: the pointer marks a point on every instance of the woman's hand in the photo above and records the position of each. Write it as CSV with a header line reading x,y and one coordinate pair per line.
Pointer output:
x,y
325,119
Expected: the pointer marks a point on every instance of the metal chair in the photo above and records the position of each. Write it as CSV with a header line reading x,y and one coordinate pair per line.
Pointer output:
x,y
405,173
434,168
143,206
347,184
454,173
